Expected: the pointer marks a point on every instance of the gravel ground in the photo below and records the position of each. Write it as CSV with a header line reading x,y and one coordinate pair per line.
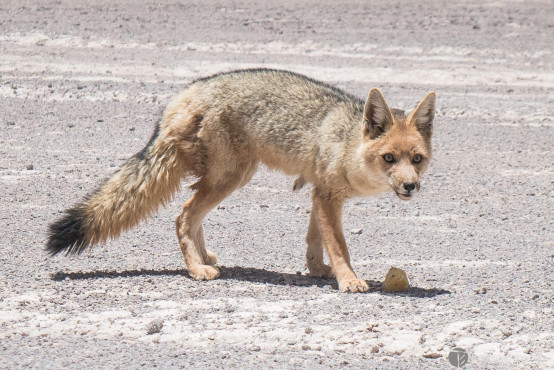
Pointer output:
x,y
81,87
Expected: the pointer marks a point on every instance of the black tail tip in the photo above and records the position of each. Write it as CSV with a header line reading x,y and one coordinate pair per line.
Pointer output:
x,y
67,234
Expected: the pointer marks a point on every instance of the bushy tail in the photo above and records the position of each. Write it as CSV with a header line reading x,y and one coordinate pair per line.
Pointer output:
x,y
145,181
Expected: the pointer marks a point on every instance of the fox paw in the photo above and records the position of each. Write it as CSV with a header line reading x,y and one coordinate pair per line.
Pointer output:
x,y
211,258
321,271
353,286
204,272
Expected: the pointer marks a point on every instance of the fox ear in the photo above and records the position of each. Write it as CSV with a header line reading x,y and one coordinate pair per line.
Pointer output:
x,y
377,115
422,117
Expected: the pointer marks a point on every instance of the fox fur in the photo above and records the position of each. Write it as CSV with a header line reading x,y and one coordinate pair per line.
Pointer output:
x,y
222,127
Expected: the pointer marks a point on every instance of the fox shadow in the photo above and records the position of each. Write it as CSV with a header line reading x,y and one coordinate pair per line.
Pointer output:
x,y
249,274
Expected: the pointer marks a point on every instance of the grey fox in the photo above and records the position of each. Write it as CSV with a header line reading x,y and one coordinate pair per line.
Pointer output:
x,y
221,127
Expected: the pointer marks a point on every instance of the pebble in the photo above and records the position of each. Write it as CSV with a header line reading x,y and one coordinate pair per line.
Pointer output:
x,y
396,280
433,355
154,326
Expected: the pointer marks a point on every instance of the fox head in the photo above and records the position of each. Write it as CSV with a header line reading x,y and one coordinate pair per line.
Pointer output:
x,y
396,147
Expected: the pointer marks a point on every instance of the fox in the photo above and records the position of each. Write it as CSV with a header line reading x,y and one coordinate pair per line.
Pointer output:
x,y
218,131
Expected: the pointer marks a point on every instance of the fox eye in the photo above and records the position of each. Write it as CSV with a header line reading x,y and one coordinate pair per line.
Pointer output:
x,y
417,158
389,158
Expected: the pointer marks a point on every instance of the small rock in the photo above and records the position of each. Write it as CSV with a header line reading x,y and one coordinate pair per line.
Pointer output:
x,y
433,355
30,167
374,349
372,328
395,281
356,231
154,326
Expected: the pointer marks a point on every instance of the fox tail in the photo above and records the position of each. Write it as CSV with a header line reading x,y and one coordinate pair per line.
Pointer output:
x,y
146,180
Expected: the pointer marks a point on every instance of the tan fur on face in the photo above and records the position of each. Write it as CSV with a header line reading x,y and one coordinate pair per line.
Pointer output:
x,y
403,138
404,142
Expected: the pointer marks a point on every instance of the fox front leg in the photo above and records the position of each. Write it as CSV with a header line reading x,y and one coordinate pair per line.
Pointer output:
x,y
328,216
314,253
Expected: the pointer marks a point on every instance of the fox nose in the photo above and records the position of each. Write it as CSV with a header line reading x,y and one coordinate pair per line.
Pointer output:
x,y
409,186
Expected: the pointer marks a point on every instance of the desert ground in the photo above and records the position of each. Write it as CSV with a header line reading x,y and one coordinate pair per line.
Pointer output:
x,y
82,85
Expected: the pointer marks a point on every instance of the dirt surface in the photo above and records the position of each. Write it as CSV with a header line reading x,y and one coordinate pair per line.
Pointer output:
x,y
81,87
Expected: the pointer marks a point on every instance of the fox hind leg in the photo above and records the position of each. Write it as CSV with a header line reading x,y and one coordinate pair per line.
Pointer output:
x,y
188,228
211,257
188,224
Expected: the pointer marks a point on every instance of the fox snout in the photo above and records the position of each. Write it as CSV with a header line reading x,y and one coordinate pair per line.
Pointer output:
x,y
406,190
409,186
404,181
